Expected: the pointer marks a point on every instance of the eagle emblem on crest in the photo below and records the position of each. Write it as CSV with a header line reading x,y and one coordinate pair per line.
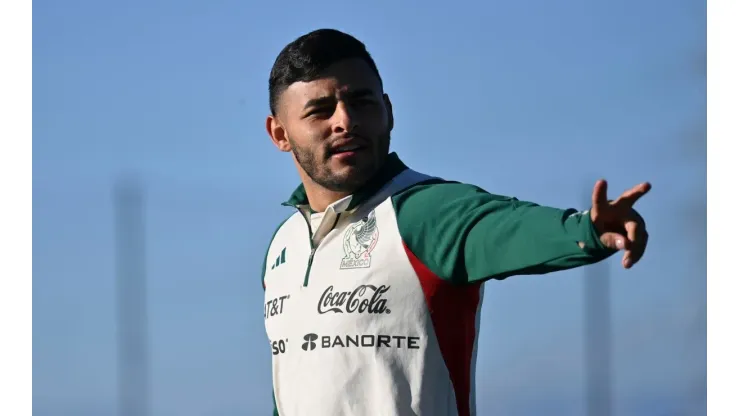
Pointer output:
x,y
359,241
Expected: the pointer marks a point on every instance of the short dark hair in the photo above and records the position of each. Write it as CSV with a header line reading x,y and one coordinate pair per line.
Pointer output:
x,y
307,57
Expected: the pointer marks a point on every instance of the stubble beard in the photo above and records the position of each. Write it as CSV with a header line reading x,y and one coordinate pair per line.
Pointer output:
x,y
320,172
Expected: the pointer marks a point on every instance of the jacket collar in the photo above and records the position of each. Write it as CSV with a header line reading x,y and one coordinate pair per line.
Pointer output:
x,y
392,167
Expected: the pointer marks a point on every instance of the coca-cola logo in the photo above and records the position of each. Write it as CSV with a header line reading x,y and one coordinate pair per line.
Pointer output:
x,y
364,299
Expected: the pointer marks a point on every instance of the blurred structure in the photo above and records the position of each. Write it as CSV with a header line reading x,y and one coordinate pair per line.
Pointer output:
x,y
693,146
597,337
133,351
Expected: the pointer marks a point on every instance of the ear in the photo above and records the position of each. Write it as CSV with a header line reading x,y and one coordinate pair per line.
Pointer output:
x,y
277,134
389,109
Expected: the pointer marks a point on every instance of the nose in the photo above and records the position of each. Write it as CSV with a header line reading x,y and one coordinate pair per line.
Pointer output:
x,y
344,120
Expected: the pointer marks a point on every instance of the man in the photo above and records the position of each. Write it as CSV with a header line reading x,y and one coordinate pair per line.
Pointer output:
x,y
373,286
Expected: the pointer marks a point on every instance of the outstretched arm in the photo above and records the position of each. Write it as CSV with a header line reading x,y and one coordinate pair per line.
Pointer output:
x,y
465,234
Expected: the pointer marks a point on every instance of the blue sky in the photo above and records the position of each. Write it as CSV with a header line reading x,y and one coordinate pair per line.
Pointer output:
x,y
535,99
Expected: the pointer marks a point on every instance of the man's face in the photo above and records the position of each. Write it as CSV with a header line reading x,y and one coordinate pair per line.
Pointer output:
x,y
337,126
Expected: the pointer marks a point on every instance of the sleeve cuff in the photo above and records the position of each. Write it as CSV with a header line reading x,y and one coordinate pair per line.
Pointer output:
x,y
589,236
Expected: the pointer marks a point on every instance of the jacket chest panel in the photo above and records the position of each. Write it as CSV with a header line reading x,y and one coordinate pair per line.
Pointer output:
x,y
360,282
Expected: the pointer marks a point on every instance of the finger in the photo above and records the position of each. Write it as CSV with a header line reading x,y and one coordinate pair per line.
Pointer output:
x,y
629,255
641,245
614,241
630,197
598,197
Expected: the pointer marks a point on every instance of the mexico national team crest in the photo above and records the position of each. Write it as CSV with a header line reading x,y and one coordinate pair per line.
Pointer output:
x,y
359,241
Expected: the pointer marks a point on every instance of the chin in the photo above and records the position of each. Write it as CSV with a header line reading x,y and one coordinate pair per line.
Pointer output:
x,y
349,178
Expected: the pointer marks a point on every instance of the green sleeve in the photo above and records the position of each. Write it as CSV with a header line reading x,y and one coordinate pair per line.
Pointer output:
x,y
264,268
264,271
466,235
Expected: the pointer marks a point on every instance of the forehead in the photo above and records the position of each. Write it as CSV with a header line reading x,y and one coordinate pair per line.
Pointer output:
x,y
340,78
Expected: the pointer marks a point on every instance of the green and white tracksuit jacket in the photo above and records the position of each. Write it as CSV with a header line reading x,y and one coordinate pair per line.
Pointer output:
x,y
372,306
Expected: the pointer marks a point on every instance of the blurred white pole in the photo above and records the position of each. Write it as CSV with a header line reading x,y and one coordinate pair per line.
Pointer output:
x,y
133,352
598,332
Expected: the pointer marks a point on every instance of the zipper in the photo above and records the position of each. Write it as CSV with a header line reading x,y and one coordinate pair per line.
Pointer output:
x,y
307,218
310,262
314,247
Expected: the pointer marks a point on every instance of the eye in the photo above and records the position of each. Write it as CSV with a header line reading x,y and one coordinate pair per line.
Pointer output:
x,y
321,112
363,102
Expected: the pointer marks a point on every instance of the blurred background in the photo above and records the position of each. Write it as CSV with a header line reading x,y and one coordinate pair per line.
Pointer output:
x,y
156,190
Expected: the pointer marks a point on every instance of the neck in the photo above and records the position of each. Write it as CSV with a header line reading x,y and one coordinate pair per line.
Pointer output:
x,y
319,198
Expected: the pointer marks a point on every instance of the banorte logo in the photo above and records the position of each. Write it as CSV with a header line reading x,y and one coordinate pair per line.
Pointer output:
x,y
310,343
364,299
314,341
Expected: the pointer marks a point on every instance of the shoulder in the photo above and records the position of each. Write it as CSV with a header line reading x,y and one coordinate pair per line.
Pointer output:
x,y
285,229
435,216
437,196
289,225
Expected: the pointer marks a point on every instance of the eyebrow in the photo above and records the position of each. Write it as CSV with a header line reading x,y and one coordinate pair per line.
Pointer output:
x,y
317,102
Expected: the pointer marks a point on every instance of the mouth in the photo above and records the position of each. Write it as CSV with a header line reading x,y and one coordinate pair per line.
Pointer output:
x,y
346,148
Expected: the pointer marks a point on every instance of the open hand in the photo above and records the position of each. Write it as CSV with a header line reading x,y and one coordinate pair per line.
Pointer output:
x,y
620,227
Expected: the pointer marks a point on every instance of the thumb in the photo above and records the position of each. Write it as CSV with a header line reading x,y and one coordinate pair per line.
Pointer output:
x,y
614,241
